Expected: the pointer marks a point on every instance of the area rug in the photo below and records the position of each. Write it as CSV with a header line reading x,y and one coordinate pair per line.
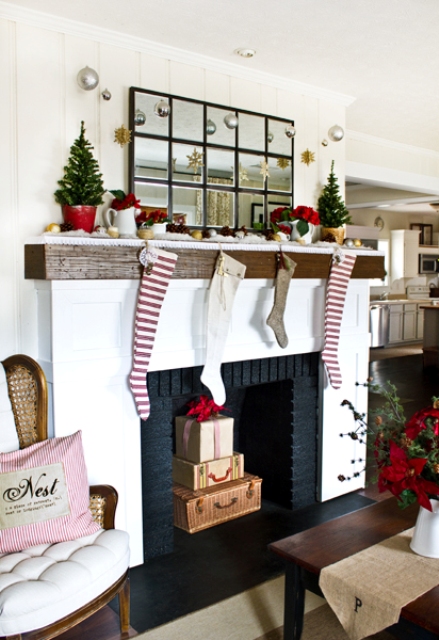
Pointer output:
x,y
256,614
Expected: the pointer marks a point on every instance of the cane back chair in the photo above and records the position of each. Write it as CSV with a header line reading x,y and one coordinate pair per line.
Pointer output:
x,y
27,390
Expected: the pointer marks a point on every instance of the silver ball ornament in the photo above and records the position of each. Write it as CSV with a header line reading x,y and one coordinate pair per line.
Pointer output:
x,y
210,127
139,118
162,109
349,242
290,131
87,79
106,94
270,137
212,233
231,121
336,133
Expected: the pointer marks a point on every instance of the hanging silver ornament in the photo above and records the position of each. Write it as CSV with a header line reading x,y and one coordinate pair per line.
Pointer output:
x,y
324,143
336,133
290,131
162,109
88,79
139,118
270,137
210,127
106,94
231,121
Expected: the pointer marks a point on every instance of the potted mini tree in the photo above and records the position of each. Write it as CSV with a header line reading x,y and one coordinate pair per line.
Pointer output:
x,y
81,189
332,210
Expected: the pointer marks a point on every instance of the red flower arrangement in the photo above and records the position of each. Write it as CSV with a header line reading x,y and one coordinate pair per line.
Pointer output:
x,y
122,201
304,216
152,217
406,453
204,408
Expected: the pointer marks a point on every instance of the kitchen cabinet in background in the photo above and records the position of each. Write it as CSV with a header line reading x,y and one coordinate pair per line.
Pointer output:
x,y
404,261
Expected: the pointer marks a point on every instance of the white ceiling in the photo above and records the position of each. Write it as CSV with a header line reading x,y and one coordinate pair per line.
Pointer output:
x,y
384,53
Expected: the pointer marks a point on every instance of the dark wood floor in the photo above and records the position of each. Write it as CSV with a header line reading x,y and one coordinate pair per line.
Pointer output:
x,y
221,562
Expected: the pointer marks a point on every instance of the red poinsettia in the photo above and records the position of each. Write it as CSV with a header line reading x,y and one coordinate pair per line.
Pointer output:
x,y
204,408
303,215
123,201
403,474
421,420
152,217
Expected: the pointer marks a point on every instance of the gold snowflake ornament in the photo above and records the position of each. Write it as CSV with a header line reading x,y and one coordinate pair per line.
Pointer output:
x,y
242,173
283,163
308,157
264,169
195,160
122,136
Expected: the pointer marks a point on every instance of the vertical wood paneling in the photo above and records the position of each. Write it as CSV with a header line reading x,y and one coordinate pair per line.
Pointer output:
x,y
40,81
217,87
121,68
186,80
245,94
9,244
269,100
154,73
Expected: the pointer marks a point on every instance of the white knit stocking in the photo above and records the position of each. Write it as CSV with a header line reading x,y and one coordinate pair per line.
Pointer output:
x,y
158,268
225,282
338,281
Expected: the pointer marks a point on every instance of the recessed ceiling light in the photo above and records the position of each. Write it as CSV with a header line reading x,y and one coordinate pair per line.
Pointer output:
x,y
245,53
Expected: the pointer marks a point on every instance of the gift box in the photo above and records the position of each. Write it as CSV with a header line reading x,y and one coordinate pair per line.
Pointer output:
x,y
204,508
207,474
203,441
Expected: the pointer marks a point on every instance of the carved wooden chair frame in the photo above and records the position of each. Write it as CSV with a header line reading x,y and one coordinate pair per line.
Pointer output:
x,y
27,389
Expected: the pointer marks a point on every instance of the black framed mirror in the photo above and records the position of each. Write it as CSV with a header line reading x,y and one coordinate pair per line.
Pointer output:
x,y
209,165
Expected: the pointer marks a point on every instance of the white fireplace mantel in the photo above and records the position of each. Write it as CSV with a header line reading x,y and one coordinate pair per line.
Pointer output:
x,y
85,330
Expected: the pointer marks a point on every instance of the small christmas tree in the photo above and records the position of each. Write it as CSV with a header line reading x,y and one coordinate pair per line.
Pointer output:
x,y
82,182
330,205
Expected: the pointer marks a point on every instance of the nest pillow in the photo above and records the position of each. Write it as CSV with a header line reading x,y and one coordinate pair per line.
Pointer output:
x,y
44,494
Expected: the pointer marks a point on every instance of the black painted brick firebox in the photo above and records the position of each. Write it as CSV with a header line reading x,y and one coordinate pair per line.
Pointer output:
x,y
274,405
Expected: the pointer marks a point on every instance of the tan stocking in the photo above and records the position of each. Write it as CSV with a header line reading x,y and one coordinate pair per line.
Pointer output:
x,y
275,320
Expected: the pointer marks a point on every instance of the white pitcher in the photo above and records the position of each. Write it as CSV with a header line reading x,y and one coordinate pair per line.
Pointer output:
x,y
124,220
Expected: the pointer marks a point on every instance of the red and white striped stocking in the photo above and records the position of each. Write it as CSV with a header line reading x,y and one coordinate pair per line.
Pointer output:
x,y
338,281
158,268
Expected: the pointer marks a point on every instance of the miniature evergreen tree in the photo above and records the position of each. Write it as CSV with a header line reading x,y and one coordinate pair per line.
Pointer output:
x,y
82,182
330,205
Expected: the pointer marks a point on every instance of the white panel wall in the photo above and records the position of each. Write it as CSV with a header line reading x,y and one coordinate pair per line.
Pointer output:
x,y
41,110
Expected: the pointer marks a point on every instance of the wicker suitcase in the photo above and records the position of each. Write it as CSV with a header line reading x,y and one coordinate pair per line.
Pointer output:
x,y
204,508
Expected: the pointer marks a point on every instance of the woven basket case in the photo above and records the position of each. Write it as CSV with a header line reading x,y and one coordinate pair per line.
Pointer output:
x,y
198,510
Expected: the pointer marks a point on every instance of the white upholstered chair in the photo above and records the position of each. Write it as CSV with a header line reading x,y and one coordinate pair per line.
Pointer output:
x,y
46,589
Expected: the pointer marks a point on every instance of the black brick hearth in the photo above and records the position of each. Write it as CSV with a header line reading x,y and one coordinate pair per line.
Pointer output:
x,y
274,405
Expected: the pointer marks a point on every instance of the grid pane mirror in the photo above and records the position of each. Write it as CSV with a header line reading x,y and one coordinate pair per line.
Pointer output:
x,y
207,164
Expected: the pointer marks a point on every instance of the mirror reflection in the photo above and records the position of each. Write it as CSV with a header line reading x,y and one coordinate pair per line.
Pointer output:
x,y
206,164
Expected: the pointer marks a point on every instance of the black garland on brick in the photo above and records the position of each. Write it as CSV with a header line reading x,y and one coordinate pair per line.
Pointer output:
x,y
274,405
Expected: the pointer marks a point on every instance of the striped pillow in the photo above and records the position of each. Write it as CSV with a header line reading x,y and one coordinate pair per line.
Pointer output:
x,y
44,494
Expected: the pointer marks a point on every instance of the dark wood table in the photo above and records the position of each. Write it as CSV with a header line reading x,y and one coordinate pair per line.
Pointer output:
x,y
305,554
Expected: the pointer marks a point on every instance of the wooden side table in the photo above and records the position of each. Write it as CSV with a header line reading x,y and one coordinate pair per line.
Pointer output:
x,y
305,554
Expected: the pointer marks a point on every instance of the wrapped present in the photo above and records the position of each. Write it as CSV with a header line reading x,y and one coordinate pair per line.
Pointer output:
x,y
204,508
207,474
203,441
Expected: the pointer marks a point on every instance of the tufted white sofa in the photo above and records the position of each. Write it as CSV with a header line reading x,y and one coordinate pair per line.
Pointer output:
x,y
46,589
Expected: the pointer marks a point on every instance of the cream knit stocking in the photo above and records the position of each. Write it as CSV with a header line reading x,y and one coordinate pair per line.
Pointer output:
x,y
225,282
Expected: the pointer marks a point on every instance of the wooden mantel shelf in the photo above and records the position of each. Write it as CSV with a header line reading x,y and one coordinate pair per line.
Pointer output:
x,y
95,262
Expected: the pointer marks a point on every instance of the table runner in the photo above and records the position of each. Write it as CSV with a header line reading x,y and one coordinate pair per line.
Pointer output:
x,y
368,590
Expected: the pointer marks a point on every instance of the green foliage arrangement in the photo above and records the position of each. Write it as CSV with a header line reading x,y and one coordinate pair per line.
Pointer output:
x,y
82,183
405,452
330,205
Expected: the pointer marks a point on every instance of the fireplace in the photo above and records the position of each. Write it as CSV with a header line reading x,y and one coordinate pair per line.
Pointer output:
x,y
274,405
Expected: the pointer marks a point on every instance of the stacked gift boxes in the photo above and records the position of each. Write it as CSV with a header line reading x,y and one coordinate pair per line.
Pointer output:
x,y
210,485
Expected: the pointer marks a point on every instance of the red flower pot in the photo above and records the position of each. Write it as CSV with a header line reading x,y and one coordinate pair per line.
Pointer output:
x,y
81,216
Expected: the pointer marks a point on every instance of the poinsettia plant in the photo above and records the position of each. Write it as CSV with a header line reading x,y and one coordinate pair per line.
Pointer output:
x,y
204,408
124,201
405,452
303,215
152,217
